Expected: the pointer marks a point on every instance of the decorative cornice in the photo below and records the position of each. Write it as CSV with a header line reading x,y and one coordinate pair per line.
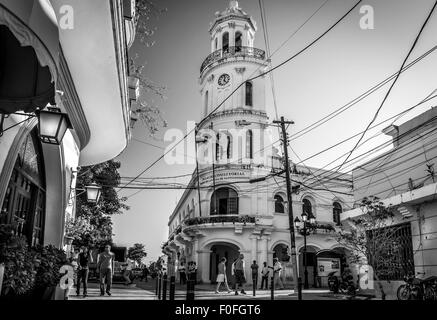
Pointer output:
x,y
72,103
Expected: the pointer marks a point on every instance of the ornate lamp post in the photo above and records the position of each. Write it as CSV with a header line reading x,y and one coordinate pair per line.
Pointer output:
x,y
305,228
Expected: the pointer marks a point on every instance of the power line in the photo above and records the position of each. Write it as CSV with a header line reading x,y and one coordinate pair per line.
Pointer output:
x,y
392,85
358,99
331,175
357,134
242,83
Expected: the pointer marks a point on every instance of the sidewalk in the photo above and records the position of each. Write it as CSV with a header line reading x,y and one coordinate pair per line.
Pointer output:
x,y
118,291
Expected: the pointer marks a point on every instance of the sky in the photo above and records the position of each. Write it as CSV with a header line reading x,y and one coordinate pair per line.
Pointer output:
x,y
337,69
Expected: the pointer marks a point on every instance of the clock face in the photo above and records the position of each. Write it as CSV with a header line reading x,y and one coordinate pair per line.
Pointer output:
x,y
224,79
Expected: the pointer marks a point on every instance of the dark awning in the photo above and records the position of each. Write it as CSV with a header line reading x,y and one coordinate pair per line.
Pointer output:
x,y
24,84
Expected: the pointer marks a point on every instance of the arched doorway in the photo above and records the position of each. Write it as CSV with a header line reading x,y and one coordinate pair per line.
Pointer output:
x,y
310,259
218,251
334,260
281,251
24,202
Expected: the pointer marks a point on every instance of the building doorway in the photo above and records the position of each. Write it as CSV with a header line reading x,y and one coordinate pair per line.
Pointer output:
x,y
311,262
218,251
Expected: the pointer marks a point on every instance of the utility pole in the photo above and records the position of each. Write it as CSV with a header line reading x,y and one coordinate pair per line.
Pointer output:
x,y
197,171
282,122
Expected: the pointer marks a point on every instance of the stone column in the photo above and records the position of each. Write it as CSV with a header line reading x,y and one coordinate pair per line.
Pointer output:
x,y
264,247
203,265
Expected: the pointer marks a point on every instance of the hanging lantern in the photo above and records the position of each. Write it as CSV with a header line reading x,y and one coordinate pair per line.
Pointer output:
x,y
93,192
52,125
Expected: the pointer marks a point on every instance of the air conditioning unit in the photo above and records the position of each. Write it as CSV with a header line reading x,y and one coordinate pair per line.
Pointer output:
x,y
129,9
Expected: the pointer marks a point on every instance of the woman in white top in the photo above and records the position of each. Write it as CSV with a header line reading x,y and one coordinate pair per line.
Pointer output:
x,y
221,276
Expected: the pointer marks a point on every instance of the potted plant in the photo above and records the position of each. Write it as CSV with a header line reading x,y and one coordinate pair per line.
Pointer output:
x,y
49,260
18,261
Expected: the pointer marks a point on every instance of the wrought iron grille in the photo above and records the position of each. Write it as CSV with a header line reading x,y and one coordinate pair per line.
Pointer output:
x,y
231,52
393,256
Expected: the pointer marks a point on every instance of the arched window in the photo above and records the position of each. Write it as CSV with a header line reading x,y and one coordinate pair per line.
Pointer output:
x,y
279,204
307,207
224,201
229,147
249,94
336,212
249,144
218,149
216,43
206,102
238,41
225,42
25,198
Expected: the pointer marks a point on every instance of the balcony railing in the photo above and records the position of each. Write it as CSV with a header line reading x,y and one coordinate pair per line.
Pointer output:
x,y
232,52
220,219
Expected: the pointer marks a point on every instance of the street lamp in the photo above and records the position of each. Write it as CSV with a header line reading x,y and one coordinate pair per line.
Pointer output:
x,y
52,125
93,192
309,225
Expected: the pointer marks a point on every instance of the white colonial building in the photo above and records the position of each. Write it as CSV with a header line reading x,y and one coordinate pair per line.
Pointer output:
x,y
227,208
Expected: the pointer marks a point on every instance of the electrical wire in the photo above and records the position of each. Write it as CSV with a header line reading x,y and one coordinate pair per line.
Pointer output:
x,y
242,83
392,85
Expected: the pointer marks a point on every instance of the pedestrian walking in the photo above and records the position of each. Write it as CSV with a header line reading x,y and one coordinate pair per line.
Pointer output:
x,y
240,279
234,282
182,273
264,276
191,270
145,273
277,270
105,267
128,271
221,276
195,272
255,269
84,259
74,263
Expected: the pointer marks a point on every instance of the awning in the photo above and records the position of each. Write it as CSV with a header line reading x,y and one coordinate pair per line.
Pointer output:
x,y
29,55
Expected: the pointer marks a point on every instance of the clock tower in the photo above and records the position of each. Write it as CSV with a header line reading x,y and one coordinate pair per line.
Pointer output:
x,y
233,105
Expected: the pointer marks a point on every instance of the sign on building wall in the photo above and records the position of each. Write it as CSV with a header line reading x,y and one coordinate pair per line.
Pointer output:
x,y
225,175
328,265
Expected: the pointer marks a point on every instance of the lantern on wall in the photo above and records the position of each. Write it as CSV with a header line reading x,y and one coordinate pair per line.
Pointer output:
x,y
52,125
93,192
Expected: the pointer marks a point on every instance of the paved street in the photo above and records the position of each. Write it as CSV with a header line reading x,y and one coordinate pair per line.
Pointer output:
x,y
146,291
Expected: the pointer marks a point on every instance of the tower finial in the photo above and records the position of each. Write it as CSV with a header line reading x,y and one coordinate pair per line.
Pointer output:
x,y
233,4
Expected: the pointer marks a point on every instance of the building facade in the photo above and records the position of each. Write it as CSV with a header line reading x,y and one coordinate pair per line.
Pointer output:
x,y
403,178
71,55
235,202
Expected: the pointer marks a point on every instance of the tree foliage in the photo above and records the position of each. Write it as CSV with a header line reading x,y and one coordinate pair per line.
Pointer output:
x,y
93,224
145,108
137,252
372,238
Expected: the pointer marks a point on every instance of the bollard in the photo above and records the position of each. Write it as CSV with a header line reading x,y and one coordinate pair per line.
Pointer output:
x,y
159,286
299,288
164,288
190,289
272,288
172,287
